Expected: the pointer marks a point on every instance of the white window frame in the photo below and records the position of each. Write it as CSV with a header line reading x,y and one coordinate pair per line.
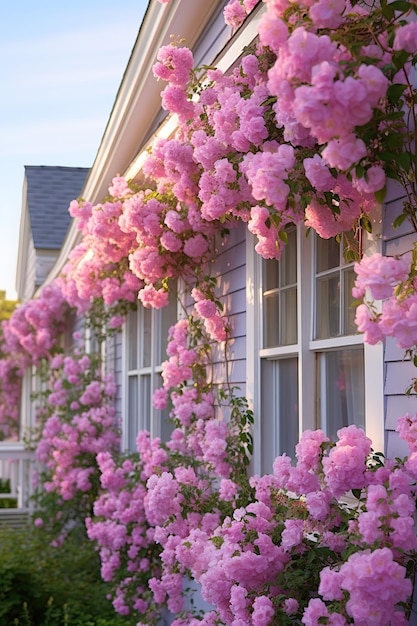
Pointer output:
x,y
147,416
307,348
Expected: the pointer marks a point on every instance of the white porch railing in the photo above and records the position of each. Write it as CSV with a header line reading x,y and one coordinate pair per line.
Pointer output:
x,y
17,465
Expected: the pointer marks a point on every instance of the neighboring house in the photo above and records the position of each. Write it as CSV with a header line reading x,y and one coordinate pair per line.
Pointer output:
x,y
294,349
47,192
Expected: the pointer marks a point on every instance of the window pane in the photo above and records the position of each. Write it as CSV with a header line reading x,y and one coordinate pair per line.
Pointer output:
x,y
341,390
280,296
279,412
327,306
146,347
327,254
132,342
132,412
166,426
349,310
270,274
145,402
288,311
271,325
287,373
288,260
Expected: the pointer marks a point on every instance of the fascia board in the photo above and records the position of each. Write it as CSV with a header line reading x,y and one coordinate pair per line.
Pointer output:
x,y
23,245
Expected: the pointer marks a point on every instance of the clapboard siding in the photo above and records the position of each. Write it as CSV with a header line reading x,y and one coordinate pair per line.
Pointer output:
x,y
399,370
398,406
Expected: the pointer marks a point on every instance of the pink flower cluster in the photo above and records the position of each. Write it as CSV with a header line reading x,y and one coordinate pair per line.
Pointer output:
x,y
236,11
34,327
97,267
78,421
391,280
128,553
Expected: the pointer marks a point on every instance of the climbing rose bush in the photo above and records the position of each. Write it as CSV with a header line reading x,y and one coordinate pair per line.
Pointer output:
x,y
129,555
306,129
29,336
76,420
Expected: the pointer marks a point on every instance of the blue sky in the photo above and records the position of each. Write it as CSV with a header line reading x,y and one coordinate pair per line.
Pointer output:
x,y
61,64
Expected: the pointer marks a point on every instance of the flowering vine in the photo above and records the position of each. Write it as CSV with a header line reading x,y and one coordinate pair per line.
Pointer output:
x,y
76,422
308,127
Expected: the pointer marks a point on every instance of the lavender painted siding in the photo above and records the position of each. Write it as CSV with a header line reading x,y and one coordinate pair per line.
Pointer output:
x,y
399,371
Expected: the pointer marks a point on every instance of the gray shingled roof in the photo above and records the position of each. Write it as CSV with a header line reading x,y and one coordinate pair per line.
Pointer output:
x,y
50,190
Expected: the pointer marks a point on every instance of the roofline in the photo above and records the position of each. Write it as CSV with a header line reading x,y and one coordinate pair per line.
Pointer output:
x,y
22,249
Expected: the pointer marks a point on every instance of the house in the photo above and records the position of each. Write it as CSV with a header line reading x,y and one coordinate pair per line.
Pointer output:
x,y
311,369
307,370
47,192
294,351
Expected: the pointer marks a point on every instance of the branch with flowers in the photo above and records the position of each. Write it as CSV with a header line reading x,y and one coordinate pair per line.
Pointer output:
x,y
75,423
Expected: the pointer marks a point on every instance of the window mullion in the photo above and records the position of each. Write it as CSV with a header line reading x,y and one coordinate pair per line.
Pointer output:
x,y
305,314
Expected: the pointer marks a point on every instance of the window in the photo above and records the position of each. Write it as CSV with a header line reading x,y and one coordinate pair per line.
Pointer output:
x,y
145,341
311,360
280,297
340,367
335,314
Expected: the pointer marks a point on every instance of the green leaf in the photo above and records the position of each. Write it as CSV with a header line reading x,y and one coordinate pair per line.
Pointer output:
x,y
366,224
399,58
387,156
387,12
394,141
283,235
360,171
304,201
357,493
394,92
400,5
380,195
405,159
399,220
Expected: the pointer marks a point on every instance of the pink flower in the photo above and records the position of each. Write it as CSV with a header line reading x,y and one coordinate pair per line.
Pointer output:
x,y
196,246
174,64
155,298
373,180
406,38
228,489
234,13
273,31
263,611
119,187
344,152
368,325
293,533
160,398
380,274
330,584
364,576
327,13
290,606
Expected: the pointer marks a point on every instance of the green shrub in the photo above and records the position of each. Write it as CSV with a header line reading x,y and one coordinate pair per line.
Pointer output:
x,y
6,503
41,585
